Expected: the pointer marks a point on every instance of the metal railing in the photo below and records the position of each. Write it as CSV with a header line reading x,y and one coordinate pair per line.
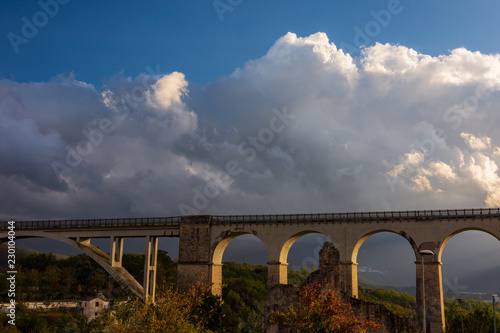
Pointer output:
x,y
96,223
362,216
414,215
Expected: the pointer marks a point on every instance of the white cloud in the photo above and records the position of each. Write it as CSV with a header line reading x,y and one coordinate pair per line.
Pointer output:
x,y
168,90
442,170
485,171
421,183
476,143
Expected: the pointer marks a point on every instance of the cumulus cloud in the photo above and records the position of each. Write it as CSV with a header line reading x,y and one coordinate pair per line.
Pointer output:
x,y
304,128
476,143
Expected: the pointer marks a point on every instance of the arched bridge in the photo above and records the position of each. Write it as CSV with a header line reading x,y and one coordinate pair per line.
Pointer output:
x,y
204,238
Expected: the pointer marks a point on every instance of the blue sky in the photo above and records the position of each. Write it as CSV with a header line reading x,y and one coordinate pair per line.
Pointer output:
x,y
97,40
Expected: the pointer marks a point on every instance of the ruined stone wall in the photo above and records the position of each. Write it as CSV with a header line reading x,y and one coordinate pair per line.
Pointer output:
x,y
328,273
281,297
391,323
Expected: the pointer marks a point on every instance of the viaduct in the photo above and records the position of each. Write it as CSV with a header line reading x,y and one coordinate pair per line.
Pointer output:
x,y
203,239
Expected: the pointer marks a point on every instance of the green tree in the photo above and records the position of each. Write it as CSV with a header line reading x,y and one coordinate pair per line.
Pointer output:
x,y
298,278
402,304
134,264
244,295
97,281
477,320
68,280
38,261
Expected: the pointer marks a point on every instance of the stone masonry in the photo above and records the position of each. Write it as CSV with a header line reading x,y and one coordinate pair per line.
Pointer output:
x,y
281,297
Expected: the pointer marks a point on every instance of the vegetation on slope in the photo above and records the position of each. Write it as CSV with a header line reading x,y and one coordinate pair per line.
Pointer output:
x,y
45,277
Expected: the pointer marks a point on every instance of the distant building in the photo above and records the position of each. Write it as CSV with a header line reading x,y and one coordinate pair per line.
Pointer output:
x,y
63,303
91,306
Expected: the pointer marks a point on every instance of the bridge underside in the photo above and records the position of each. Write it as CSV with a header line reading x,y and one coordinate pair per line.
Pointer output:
x,y
112,262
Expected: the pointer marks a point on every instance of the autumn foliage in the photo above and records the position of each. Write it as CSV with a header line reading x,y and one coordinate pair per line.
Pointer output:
x,y
194,311
322,313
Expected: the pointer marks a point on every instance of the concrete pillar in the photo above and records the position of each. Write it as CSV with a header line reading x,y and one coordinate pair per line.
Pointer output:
x,y
194,263
150,263
349,278
277,273
434,306
116,251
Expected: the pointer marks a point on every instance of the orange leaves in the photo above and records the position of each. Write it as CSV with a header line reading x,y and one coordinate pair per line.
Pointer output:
x,y
317,312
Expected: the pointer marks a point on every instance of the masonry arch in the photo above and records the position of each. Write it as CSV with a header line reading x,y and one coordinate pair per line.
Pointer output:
x,y
218,253
470,264
222,244
447,239
354,254
351,267
290,240
124,278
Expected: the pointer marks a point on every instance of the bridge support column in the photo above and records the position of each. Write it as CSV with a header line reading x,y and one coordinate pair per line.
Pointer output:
x,y
150,261
194,264
217,279
277,273
116,251
349,278
434,306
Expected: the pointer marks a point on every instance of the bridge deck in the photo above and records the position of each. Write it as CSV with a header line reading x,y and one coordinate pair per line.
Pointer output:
x,y
416,215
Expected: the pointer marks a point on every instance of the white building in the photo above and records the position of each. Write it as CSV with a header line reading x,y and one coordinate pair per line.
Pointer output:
x,y
91,306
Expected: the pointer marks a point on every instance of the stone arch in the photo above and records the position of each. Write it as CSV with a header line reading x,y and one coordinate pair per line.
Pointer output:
x,y
119,274
287,245
278,269
218,249
446,240
350,267
354,254
220,246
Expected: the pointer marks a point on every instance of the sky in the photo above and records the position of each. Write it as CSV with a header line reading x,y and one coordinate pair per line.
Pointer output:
x,y
167,108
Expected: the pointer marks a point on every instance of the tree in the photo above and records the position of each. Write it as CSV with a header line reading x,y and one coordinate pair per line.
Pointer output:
x,y
244,295
398,303
477,320
97,281
321,313
68,280
192,312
